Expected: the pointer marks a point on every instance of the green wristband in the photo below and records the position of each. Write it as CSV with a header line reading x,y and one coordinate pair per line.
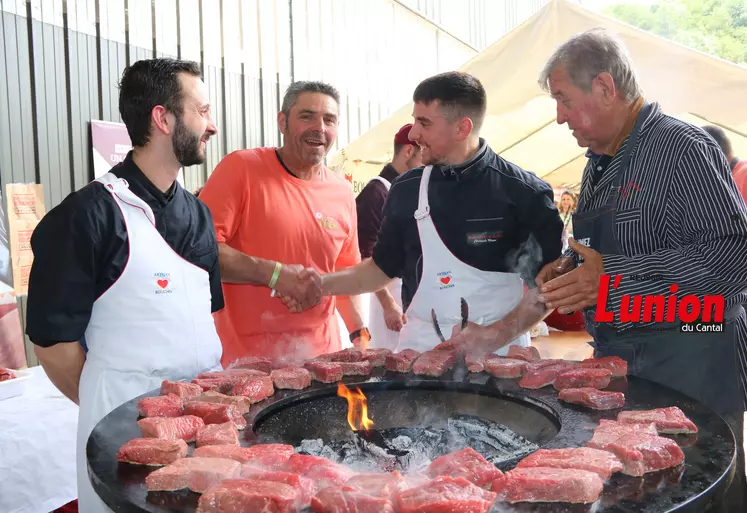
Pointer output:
x,y
275,275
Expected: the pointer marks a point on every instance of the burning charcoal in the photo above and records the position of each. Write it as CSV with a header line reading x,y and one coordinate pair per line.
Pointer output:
x,y
496,442
311,447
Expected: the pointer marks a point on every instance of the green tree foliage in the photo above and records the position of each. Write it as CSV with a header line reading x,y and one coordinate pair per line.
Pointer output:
x,y
716,27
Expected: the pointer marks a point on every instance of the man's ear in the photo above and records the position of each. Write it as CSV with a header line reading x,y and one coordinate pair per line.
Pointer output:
x,y
282,122
162,120
464,128
604,85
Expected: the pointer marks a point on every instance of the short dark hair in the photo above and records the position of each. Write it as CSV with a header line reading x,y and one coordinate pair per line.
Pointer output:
x,y
303,86
720,137
458,92
146,84
400,147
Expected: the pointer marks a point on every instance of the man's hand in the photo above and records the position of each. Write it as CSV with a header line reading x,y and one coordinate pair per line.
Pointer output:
x,y
299,289
476,340
394,318
578,288
553,270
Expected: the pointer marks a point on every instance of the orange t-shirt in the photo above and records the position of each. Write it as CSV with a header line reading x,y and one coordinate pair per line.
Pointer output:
x,y
262,210
740,177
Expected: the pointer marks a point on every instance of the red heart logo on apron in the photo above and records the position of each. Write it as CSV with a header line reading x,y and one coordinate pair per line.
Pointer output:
x,y
162,283
445,280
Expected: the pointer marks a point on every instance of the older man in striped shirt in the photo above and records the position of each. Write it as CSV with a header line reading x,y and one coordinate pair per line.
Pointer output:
x,y
657,207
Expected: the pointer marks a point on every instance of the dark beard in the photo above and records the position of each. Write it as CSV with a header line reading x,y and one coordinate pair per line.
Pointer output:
x,y
186,145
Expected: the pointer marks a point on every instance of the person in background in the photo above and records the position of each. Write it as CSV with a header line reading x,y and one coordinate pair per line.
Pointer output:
x,y
566,209
656,201
385,308
738,167
278,211
130,262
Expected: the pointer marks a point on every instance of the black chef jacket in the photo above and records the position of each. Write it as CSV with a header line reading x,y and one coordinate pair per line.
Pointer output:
x,y
80,249
490,214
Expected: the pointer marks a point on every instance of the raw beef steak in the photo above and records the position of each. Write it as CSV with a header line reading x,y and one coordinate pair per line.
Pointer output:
x,y
670,420
346,355
602,463
507,368
196,474
583,378
230,452
240,402
152,451
445,494
536,365
610,431
291,378
538,484
528,354
466,463
271,456
362,368
376,485
544,376
161,406
322,471
222,385
593,398
305,486
180,388
346,499
253,362
232,375
402,361
617,365
6,374
256,389
643,453
174,428
433,363
475,363
250,495
377,357
325,372
218,434
215,413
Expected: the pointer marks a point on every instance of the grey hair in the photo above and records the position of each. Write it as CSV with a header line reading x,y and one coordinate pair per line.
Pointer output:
x,y
296,88
586,55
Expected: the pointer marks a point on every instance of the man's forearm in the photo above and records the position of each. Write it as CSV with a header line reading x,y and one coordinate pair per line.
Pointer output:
x,y
385,298
238,267
521,319
353,281
351,311
63,364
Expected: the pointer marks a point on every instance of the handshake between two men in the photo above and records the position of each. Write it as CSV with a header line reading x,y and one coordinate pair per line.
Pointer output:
x,y
298,287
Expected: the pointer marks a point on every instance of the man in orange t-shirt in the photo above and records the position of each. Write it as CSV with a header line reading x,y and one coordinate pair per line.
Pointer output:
x,y
277,211
738,167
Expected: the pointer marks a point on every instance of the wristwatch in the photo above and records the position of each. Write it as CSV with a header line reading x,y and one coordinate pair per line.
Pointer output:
x,y
360,333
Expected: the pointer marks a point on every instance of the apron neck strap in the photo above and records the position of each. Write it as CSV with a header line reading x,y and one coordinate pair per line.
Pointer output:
x,y
423,206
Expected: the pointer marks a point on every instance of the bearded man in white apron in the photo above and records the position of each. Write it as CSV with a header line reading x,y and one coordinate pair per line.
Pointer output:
x,y
130,262
469,225
385,306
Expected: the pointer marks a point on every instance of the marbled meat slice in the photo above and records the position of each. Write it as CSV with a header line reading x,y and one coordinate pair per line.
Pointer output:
x,y
383,485
306,486
256,389
642,453
528,354
250,495
222,385
377,357
433,363
670,420
536,365
152,451
347,499
507,368
346,355
583,378
271,456
239,401
218,434
231,452
617,365
196,474
253,362
475,363
180,388
232,375
544,376
215,413
323,371
362,368
171,428
539,484
402,361
291,378
445,494
322,471
466,463
602,463
161,406
593,398
610,431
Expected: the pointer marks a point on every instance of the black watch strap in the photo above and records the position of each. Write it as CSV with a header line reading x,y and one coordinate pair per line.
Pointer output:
x,y
359,333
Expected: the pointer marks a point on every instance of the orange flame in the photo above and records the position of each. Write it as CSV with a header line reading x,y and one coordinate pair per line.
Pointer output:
x,y
357,408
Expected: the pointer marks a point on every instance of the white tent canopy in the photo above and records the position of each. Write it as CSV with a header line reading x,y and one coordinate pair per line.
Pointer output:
x,y
520,123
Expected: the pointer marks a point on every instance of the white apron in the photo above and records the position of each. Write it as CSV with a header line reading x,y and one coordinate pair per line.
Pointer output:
x,y
444,280
153,323
381,336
